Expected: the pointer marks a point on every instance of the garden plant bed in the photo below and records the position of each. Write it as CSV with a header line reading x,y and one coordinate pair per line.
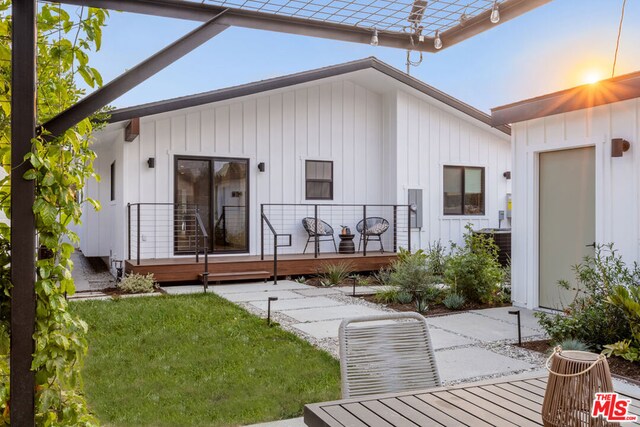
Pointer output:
x,y
195,360
435,310
618,366
119,292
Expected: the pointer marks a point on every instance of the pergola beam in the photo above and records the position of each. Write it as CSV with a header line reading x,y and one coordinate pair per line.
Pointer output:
x,y
258,20
138,74
190,10
23,235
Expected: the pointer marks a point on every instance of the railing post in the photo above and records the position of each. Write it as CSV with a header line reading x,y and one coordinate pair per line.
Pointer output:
x,y
205,275
275,259
315,232
138,225
395,228
195,217
364,229
129,233
262,232
409,228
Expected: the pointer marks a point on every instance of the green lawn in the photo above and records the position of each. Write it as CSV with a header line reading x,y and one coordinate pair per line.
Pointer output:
x,y
197,360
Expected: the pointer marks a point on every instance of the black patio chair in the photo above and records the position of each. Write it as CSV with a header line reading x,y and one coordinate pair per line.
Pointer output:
x,y
322,230
376,227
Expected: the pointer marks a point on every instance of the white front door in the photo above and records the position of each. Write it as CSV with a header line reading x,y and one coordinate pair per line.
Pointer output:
x,y
567,220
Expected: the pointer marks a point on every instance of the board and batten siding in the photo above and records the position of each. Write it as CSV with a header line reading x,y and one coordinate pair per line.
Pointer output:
x,y
617,183
431,136
338,121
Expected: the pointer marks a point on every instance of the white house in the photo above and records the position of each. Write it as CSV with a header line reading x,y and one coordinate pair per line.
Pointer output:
x,y
576,182
349,135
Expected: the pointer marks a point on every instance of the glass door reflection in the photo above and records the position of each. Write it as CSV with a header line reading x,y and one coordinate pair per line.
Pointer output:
x,y
193,189
230,207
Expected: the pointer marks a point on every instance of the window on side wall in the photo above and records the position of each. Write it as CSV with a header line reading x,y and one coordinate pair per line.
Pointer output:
x,y
463,190
112,178
319,180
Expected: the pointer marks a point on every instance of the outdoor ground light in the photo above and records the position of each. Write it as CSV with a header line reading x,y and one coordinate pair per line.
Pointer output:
x,y
495,13
437,41
269,308
517,313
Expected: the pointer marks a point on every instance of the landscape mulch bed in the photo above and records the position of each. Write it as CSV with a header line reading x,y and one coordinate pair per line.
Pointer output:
x,y
436,310
119,292
618,366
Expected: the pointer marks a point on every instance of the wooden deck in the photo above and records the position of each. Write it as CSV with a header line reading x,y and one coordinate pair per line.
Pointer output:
x,y
491,403
251,267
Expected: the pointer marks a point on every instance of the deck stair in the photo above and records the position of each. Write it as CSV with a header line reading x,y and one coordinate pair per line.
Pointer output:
x,y
226,277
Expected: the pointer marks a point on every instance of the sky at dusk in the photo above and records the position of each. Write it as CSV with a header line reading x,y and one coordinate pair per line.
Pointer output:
x,y
556,46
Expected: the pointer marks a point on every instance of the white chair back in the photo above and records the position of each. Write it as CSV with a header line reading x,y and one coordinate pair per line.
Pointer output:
x,y
386,354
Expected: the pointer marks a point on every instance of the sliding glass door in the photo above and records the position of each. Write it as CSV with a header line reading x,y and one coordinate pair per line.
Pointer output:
x,y
219,188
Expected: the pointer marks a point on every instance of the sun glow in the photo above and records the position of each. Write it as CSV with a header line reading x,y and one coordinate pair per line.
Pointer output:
x,y
591,77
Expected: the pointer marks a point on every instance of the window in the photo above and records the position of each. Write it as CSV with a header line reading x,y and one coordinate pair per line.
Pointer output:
x,y
319,180
112,177
463,190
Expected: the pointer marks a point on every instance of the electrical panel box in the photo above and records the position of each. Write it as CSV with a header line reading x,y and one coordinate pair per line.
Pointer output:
x,y
509,205
415,205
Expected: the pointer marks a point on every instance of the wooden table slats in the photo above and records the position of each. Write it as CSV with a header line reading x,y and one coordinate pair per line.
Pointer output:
x,y
499,403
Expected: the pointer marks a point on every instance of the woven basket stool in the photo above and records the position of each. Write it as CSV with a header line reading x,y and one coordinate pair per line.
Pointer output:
x,y
574,379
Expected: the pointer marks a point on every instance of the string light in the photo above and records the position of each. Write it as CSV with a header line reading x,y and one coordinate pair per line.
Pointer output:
x,y
495,13
374,37
437,41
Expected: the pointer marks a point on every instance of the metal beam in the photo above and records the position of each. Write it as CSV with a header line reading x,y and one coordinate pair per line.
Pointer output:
x,y
190,10
23,236
130,79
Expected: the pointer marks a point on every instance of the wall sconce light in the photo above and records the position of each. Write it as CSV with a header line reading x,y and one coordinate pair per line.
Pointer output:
x,y
507,175
151,162
619,146
261,167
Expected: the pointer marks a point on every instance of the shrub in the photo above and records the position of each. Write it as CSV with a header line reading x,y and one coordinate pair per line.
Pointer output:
x,y
137,283
627,300
383,276
591,317
422,305
436,259
571,344
410,274
332,274
386,295
473,269
454,301
404,297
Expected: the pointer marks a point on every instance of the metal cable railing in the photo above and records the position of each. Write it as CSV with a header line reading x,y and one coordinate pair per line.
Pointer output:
x,y
276,244
163,230
371,227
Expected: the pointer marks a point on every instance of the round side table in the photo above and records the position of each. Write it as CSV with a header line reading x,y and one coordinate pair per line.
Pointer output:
x,y
346,244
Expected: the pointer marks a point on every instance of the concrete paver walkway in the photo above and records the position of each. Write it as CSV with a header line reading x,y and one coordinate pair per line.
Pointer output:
x,y
469,345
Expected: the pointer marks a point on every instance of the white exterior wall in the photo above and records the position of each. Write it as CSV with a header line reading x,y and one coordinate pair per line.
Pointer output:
x,y
430,136
617,183
103,232
382,142
339,121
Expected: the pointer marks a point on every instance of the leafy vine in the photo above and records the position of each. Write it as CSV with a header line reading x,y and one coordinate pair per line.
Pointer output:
x,y
60,168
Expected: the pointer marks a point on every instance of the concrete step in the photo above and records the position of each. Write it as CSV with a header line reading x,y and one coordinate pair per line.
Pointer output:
x,y
245,275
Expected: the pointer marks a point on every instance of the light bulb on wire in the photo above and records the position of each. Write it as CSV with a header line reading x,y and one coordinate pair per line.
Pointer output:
x,y
437,41
374,37
495,13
